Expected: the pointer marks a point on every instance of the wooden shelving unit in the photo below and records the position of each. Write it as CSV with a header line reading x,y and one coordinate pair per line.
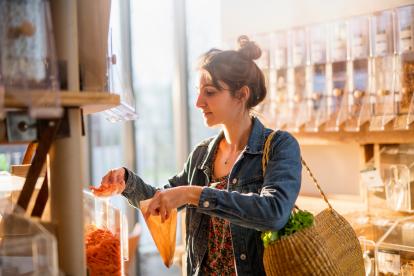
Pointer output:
x,y
90,102
65,167
364,136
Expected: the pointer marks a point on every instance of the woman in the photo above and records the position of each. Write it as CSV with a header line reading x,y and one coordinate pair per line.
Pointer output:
x,y
228,200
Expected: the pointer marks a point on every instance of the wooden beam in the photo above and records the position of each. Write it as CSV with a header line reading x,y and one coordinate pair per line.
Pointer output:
x,y
91,102
364,136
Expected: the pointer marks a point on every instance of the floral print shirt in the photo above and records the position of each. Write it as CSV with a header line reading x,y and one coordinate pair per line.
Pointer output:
x,y
219,259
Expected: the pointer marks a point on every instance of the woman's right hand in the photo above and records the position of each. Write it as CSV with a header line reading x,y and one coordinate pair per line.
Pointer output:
x,y
112,183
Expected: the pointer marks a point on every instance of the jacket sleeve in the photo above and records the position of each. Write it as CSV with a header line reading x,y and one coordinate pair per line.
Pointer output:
x,y
270,209
137,190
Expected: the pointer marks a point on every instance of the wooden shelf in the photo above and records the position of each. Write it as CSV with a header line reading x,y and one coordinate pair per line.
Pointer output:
x,y
364,136
90,102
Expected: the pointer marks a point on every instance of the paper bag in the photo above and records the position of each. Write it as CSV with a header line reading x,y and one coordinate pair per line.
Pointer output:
x,y
163,234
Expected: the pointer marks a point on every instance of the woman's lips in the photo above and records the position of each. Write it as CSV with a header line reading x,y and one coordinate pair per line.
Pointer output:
x,y
206,113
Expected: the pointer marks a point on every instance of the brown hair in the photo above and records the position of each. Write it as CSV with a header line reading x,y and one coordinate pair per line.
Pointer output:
x,y
237,69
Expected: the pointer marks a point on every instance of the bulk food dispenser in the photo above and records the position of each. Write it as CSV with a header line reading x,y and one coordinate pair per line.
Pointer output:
x,y
405,67
268,106
106,236
28,63
280,96
103,67
383,57
26,248
356,109
264,64
369,231
397,167
337,73
394,252
296,78
386,234
317,77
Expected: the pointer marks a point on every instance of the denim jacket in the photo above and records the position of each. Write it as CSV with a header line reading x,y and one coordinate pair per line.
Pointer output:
x,y
252,202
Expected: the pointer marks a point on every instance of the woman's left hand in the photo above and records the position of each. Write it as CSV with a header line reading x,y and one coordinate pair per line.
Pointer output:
x,y
166,200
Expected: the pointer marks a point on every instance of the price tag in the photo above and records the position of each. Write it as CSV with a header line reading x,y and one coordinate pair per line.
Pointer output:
x,y
389,262
371,178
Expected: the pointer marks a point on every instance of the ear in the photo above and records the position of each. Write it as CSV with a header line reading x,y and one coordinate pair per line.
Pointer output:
x,y
244,93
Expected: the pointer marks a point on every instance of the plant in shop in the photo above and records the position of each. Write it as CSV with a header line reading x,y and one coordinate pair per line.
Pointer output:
x,y
298,220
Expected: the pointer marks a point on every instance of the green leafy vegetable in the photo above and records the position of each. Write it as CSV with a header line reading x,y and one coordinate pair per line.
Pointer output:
x,y
298,220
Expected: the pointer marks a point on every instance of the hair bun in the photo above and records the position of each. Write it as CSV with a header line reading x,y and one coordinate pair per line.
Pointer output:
x,y
248,49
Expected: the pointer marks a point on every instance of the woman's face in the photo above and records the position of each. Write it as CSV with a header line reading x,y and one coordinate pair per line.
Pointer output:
x,y
217,104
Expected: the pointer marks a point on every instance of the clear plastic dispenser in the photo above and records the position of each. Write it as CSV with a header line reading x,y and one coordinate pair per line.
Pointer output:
x,y
369,231
28,65
356,109
264,42
337,74
280,98
397,163
317,77
26,248
394,252
297,82
118,82
103,66
106,236
383,49
405,67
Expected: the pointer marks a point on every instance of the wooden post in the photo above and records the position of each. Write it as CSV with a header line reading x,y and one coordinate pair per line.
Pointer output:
x,y
66,169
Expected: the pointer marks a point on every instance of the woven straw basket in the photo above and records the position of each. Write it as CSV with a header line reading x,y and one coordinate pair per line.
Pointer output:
x,y
329,247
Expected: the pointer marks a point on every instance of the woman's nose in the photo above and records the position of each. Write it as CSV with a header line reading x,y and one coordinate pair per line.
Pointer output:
x,y
200,101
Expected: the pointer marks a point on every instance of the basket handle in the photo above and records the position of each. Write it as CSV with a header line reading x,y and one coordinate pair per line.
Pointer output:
x,y
315,181
265,160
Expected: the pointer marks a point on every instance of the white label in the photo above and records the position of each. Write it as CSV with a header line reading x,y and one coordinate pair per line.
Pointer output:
x,y
406,33
317,53
280,58
297,55
371,178
358,48
357,41
358,52
338,50
388,263
381,46
405,40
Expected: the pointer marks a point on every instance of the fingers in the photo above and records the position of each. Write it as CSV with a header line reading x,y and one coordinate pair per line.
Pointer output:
x,y
112,183
153,206
163,212
158,206
98,191
119,177
106,178
167,214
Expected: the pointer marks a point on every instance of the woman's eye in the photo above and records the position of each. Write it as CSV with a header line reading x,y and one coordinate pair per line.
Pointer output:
x,y
210,92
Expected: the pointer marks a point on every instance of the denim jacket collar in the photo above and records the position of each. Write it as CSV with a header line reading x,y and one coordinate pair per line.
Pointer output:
x,y
257,138
254,144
